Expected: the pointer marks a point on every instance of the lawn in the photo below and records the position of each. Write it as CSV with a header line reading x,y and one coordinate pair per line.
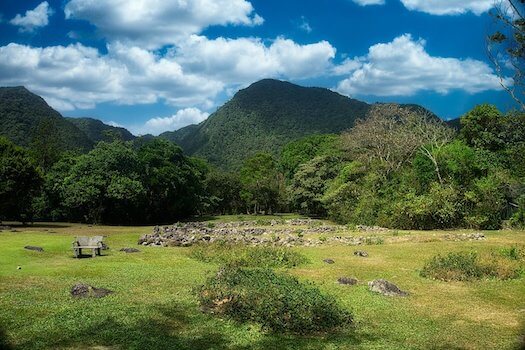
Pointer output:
x,y
153,306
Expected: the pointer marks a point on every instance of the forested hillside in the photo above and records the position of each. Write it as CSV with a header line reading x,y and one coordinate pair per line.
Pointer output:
x,y
25,119
263,118
97,131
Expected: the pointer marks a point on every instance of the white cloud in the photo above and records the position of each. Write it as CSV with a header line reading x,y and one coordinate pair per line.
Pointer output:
x,y
369,2
243,60
155,23
113,123
39,17
182,118
449,7
189,75
304,25
76,76
403,68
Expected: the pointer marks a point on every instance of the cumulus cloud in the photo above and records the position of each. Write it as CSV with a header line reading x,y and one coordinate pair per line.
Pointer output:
x,y
180,119
190,75
449,7
155,23
403,68
76,76
243,60
36,18
369,2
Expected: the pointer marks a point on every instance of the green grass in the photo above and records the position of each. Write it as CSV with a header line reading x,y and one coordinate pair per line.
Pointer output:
x,y
154,306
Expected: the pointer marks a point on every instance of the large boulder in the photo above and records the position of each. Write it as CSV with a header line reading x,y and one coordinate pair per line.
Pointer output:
x,y
386,288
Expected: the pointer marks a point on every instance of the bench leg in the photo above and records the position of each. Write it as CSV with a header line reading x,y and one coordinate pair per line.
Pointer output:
x,y
76,252
94,252
98,252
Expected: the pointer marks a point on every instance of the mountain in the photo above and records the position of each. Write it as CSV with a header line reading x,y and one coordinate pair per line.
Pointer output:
x,y
26,117
263,118
97,131
266,116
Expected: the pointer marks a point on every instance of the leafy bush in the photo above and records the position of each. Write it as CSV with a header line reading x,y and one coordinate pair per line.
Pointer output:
x,y
465,266
239,255
278,302
514,252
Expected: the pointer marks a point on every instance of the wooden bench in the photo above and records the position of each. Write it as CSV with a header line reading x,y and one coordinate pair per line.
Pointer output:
x,y
94,243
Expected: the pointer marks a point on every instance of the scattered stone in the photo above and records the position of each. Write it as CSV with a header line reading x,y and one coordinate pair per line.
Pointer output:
x,y
361,253
5,228
386,288
130,250
19,267
478,236
36,249
371,228
81,290
350,281
329,261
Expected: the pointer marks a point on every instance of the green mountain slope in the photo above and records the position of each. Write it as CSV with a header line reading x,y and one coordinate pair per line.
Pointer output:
x,y
98,131
264,117
25,117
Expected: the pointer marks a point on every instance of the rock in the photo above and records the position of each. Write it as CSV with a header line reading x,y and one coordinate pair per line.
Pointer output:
x,y
81,290
386,288
36,249
130,250
329,261
350,281
19,267
361,253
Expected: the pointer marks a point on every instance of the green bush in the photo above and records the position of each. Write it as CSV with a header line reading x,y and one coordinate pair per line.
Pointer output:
x,y
466,266
239,255
514,252
278,302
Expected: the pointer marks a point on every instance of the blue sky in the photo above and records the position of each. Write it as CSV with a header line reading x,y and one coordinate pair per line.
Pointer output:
x,y
157,65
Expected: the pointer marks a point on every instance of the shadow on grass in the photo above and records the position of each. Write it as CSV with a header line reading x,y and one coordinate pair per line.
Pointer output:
x,y
177,327
4,341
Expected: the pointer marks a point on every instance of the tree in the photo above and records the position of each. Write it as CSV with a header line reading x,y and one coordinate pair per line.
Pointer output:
x,y
20,182
506,47
262,183
303,150
391,134
310,183
173,182
104,185
224,193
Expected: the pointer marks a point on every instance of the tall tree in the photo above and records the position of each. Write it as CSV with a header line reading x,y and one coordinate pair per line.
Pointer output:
x,y
20,182
506,47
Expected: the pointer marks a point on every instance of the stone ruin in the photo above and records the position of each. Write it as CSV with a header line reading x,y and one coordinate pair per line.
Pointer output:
x,y
271,232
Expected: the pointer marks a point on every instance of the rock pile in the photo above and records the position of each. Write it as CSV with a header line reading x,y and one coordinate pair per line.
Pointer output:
x,y
81,290
478,236
130,250
371,228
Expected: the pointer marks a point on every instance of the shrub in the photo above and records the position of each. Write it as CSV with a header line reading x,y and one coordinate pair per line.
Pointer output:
x,y
278,302
513,253
239,255
465,266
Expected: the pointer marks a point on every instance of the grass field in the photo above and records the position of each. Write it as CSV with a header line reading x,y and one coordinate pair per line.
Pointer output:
x,y
154,307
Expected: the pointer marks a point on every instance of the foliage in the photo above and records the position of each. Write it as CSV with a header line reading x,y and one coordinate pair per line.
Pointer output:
x,y
278,302
465,266
223,193
240,255
173,183
261,183
307,148
310,183
97,131
506,47
482,127
265,117
26,118
20,181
